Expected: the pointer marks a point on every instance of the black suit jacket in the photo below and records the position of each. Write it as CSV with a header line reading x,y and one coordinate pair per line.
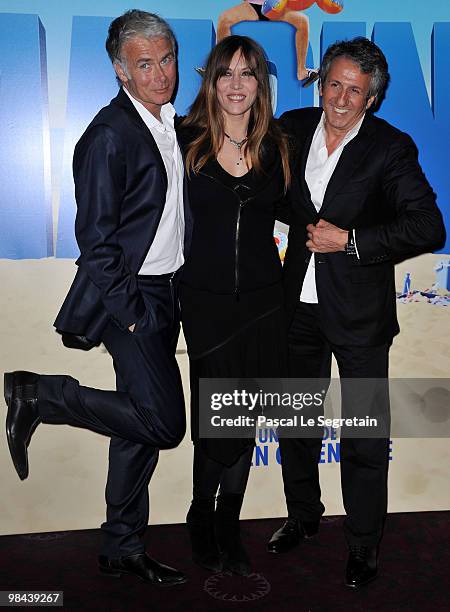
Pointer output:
x,y
120,190
378,189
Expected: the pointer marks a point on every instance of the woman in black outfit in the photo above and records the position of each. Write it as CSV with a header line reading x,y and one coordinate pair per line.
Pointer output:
x,y
231,292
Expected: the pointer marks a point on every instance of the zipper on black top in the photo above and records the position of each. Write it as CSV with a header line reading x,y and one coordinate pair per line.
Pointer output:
x,y
236,252
238,225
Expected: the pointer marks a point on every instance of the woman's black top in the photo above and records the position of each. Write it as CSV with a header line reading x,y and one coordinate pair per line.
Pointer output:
x,y
232,275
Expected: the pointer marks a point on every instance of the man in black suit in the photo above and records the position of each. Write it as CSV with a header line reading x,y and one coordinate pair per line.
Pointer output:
x,y
361,203
133,228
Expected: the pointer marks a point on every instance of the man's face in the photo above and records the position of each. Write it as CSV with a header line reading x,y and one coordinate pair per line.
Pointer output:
x,y
344,95
151,71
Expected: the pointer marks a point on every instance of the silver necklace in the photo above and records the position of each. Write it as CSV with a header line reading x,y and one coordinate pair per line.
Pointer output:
x,y
238,144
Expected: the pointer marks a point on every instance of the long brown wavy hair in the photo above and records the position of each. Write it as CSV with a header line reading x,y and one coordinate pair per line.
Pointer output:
x,y
205,114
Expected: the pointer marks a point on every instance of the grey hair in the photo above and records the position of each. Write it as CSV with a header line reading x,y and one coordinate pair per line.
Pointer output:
x,y
367,55
135,23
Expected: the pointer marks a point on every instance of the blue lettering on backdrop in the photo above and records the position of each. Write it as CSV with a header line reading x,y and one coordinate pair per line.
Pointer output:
x,y
90,65
278,456
267,435
25,212
278,41
407,105
330,451
261,455
329,433
415,116
333,31
89,71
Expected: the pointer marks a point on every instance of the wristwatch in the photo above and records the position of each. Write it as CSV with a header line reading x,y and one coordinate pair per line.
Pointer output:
x,y
350,247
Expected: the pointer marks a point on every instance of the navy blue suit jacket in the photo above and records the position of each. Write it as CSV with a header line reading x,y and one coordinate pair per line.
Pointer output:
x,y
120,191
378,189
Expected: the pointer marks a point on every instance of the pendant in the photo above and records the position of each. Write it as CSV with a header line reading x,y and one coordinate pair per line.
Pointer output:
x,y
238,145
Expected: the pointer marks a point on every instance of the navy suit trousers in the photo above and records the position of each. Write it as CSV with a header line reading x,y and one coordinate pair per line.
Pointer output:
x,y
145,414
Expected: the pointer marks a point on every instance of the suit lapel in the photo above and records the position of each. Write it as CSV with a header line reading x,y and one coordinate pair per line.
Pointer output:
x,y
352,156
126,104
303,158
188,218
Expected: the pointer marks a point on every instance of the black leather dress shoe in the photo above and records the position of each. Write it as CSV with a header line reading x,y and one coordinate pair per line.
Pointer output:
x,y
142,566
361,566
21,396
290,534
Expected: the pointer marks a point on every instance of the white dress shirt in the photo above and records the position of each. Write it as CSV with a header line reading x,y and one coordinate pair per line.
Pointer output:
x,y
318,172
166,251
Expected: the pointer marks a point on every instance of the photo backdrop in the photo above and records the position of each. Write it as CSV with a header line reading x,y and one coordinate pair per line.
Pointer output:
x,y
54,77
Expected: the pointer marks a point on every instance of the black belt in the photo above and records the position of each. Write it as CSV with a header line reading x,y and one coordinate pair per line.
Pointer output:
x,y
159,278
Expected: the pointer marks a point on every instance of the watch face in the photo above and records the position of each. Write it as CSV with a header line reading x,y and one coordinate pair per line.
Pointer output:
x,y
350,247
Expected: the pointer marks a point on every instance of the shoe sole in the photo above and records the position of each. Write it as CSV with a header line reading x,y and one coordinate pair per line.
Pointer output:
x,y
112,573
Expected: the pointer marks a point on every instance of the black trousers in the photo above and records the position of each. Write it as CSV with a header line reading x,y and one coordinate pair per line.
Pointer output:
x,y
363,461
145,414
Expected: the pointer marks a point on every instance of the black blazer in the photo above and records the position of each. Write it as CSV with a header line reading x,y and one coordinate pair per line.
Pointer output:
x,y
378,189
120,191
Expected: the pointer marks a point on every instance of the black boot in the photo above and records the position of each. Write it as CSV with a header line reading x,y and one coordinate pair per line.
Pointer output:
x,y
234,556
200,524
21,396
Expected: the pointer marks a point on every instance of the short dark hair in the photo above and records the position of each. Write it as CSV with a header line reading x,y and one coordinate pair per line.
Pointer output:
x,y
135,23
367,55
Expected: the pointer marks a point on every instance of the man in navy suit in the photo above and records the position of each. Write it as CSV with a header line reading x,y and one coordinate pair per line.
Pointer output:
x,y
133,227
361,204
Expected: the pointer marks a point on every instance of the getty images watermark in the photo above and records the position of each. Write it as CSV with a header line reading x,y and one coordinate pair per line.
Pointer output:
x,y
261,400
358,408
